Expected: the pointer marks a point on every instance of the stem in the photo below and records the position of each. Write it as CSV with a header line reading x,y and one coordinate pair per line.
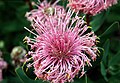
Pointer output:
x,y
88,19
1,75
85,78
29,3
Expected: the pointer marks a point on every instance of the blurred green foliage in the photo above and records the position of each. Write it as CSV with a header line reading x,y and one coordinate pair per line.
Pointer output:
x,y
106,26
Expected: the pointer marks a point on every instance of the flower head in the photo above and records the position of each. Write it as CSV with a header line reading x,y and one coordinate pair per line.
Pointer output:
x,y
3,65
91,6
17,55
62,50
45,10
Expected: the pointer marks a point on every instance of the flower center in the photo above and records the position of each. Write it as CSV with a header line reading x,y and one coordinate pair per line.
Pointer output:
x,y
49,10
60,53
60,46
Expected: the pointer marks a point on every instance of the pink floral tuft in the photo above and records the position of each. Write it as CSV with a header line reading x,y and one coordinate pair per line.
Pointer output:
x,y
91,6
45,10
3,65
61,50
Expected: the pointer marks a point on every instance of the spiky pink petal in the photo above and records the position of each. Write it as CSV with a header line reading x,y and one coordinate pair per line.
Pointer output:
x,y
91,6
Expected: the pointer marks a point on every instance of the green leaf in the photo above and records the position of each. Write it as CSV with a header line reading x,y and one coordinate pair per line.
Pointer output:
x,y
114,60
115,44
13,80
111,29
106,51
114,70
114,13
4,81
103,71
114,79
29,71
98,20
22,75
24,78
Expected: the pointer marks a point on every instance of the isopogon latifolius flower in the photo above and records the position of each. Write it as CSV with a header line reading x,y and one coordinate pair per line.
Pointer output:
x,y
45,10
17,55
91,6
61,51
3,65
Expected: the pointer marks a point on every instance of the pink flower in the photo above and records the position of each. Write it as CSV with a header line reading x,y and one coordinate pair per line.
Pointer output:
x,y
3,65
44,11
61,50
91,6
